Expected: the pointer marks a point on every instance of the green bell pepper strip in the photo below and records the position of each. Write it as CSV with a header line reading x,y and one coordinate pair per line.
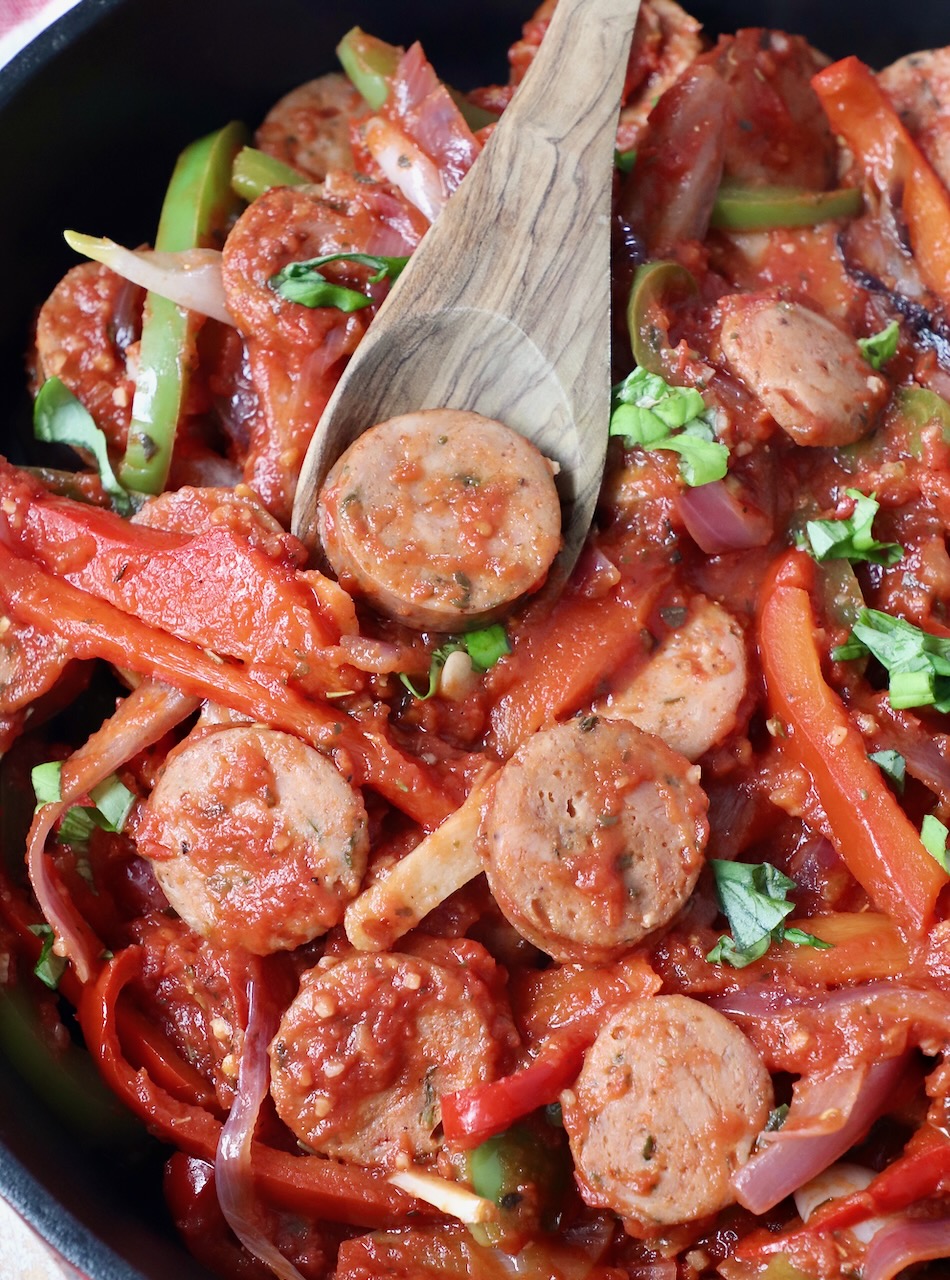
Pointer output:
x,y
655,286
369,63
475,117
526,1175
255,172
739,208
195,212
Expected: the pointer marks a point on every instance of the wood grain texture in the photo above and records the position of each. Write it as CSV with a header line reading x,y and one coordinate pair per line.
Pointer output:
x,y
504,309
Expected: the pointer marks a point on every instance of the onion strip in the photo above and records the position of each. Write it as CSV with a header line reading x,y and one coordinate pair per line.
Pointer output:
x,y
191,279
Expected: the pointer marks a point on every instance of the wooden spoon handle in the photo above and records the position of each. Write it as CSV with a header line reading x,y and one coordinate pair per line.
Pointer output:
x,y
542,178
505,305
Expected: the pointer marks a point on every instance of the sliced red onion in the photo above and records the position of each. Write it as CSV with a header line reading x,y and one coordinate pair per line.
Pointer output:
x,y
834,1183
855,1095
419,179
140,720
232,1166
904,1242
375,656
922,1014
426,109
150,711
718,521
191,279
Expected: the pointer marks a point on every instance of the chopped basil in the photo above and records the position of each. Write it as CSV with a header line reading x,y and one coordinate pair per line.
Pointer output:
x,y
777,1117
648,411
46,782
933,836
851,538
754,899
60,418
625,160
49,967
892,765
111,803
918,664
304,283
880,347
484,646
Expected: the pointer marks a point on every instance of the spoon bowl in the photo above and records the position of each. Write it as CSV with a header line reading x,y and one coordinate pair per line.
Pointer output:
x,y
504,308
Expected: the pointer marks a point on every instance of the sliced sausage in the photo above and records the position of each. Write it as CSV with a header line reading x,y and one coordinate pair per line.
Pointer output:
x,y
441,518
86,335
368,1047
666,1108
593,837
256,838
309,128
918,85
690,691
808,373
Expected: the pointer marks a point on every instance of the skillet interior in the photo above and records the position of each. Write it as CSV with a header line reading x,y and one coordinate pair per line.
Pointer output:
x,y
91,118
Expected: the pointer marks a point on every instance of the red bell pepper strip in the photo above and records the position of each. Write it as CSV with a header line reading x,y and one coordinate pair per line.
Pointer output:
x,y
879,844
305,1184
469,1116
94,629
555,666
921,1171
214,588
859,112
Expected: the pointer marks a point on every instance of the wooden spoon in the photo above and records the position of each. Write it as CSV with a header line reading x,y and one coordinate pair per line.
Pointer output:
x,y
504,308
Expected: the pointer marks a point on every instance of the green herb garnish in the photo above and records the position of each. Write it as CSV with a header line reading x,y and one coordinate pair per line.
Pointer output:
x,y
649,412
933,836
49,967
304,283
880,347
484,646
754,899
59,417
111,802
917,663
851,538
893,765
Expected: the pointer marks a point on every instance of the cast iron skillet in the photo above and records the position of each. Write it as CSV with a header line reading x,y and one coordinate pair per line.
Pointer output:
x,y
91,118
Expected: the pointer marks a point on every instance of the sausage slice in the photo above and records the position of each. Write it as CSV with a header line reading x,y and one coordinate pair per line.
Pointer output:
x,y
666,1108
368,1047
808,373
441,518
593,837
690,691
256,838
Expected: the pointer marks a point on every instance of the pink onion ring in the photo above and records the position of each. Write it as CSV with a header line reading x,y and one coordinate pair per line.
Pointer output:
x,y
902,1243
232,1166
718,521
804,1147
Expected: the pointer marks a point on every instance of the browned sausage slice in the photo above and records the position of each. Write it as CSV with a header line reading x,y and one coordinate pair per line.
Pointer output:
x,y
667,1107
593,837
441,518
690,691
309,128
808,373
256,838
369,1046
